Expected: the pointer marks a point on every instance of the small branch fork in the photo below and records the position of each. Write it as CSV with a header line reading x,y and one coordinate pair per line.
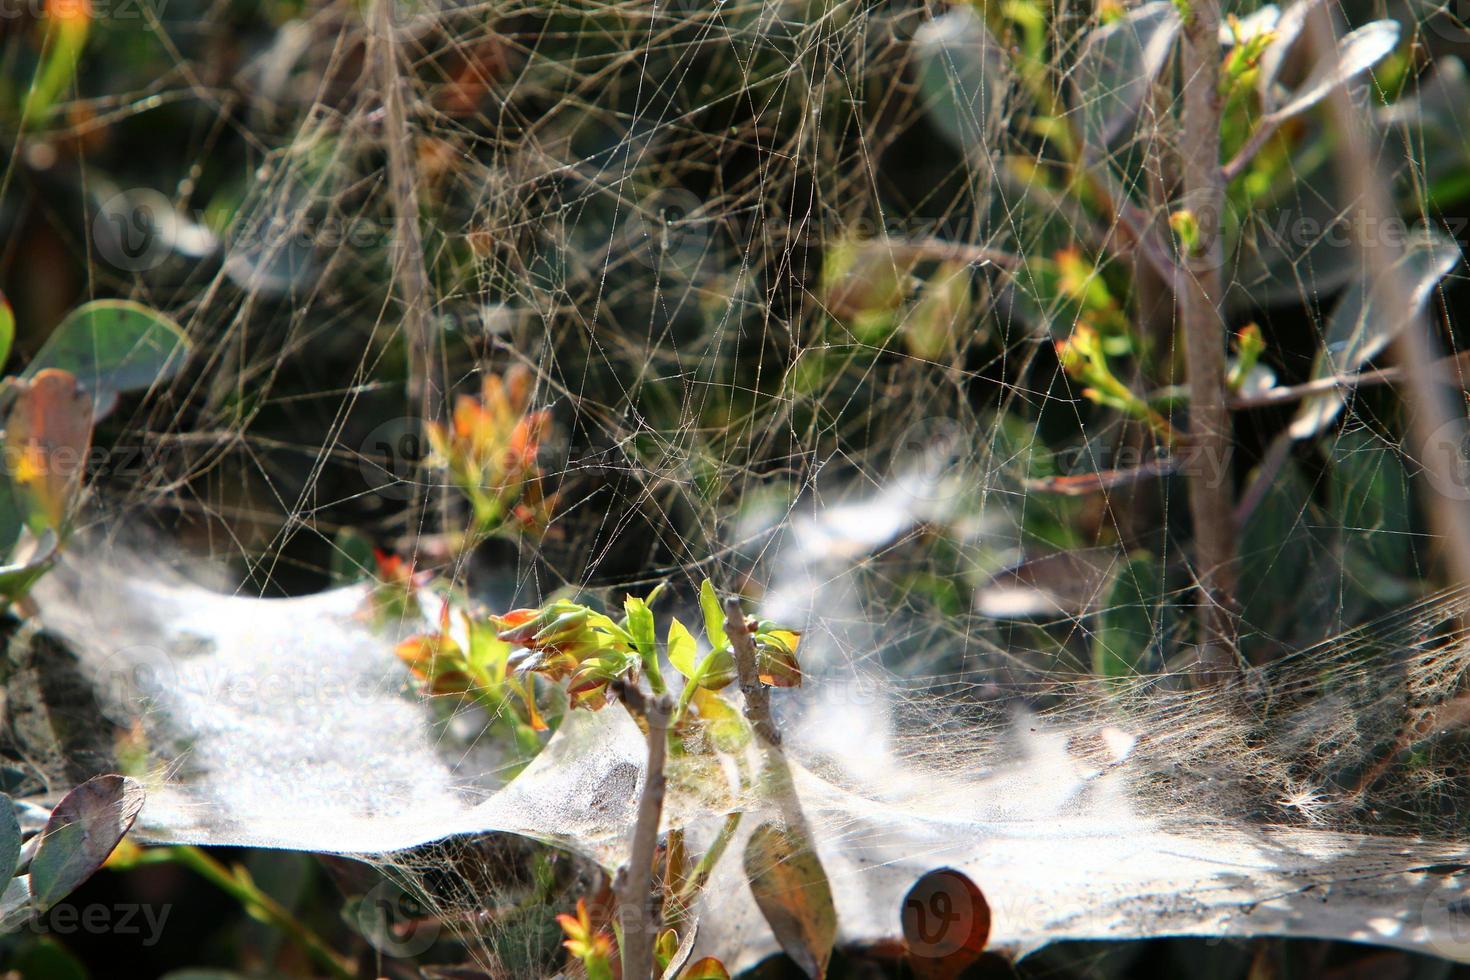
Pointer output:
x,y
757,699
640,909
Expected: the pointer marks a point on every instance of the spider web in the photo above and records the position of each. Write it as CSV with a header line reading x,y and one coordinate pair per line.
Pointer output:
x,y
780,271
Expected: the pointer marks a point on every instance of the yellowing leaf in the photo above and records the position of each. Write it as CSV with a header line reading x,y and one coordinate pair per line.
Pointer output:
x,y
725,729
682,649
714,616
791,889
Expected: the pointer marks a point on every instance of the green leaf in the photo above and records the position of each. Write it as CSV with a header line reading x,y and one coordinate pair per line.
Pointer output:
x,y
717,669
964,78
9,838
44,957
7,329
714,616
83,830
1356,53
791,889
1360,326
17,577
12,522
15,903
640,625
1370,501
352,558
1127,626
1117,67
113,346
682,649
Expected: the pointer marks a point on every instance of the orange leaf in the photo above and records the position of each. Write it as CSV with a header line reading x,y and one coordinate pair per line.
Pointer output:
x,y
47,438
791,890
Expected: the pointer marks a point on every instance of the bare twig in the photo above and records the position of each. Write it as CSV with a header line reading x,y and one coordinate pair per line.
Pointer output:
x,y
757,695
639,910
426,390
1450,370
941,250
1431,409
758,712
1261,483
1264,130
1210,487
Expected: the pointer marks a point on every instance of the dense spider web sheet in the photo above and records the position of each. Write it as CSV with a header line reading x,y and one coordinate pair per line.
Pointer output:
x,y
287,723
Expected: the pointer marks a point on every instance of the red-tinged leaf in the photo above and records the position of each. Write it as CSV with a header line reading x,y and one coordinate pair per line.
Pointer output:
x,y
81,832
792,892
708,968
946,923
47,437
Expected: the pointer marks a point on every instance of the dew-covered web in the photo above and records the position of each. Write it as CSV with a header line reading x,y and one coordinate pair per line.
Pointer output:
x,y
789,278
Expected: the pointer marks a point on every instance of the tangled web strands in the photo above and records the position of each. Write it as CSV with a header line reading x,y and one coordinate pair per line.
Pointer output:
x,y
640,203
1235,811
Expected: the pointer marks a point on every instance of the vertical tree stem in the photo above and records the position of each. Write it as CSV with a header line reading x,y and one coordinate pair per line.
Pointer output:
x,y
1210,442
639,910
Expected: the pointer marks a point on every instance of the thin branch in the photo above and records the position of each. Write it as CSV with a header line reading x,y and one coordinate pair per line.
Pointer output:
x,y
640,911
1210,487
757,696
1265,129
1450,370
426,389
261,905
757,699
945,251
1266,473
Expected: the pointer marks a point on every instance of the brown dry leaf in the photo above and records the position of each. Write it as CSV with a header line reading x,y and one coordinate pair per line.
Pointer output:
x,y
791,890
946,923
47,437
